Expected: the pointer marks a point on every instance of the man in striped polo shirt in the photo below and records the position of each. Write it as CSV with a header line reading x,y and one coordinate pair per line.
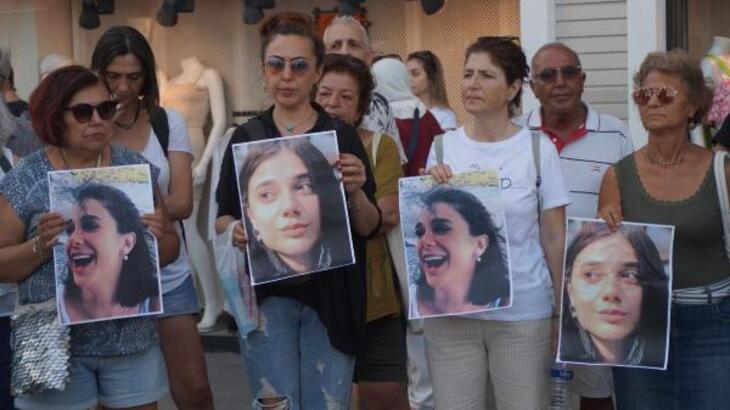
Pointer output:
x,y
588,143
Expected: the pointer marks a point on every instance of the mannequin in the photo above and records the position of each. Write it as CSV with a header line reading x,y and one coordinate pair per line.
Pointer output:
x,y
195,93
716,67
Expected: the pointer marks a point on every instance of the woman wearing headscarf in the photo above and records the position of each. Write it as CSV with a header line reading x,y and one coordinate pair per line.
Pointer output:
x,y
416,124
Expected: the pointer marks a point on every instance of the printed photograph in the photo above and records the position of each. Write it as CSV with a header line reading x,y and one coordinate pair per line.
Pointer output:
x,y
455,238
106,261
616,294
294,207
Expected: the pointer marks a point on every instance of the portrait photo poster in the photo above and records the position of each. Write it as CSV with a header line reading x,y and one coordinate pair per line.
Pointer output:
x,y
616,294
455,238
294,207
106,262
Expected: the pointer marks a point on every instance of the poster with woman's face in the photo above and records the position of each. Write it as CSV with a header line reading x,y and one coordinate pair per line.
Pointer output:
x,y
616,294
456,248
106,260
293,205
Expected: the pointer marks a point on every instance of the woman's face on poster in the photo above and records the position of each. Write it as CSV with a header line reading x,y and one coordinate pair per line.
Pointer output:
x,y
604,288
283,206
447,251
95,250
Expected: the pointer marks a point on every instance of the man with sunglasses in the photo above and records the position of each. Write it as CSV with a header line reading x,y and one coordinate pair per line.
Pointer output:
x,y
346,35
588,143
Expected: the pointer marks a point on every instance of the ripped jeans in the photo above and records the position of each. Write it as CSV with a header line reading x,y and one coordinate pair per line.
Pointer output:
x,y
290,362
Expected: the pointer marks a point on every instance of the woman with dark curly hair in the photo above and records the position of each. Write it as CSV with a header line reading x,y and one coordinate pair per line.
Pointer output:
x,y
459,244
615,299
111,270
671,181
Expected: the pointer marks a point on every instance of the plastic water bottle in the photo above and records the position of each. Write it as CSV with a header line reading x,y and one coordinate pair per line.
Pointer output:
x,y
560,377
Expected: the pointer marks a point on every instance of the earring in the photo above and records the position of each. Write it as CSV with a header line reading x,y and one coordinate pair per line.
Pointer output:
x,y
125,257
479,258
571,308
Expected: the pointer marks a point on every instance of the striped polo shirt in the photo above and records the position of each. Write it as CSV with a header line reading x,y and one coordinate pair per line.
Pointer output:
x,y
586,159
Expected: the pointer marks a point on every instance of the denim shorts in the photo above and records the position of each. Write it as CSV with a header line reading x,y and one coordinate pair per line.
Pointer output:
x,y
115,382
183,300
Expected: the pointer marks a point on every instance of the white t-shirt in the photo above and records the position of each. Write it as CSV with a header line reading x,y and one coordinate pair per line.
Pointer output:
x,y
512,158
445,117
8,292
588,158
174,274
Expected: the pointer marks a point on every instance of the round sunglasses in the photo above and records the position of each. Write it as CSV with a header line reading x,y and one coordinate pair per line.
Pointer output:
x,y
276,65
665,95
83,112
550,75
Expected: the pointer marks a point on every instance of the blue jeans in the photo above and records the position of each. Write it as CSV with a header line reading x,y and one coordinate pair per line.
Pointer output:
x,y
698,372
290,360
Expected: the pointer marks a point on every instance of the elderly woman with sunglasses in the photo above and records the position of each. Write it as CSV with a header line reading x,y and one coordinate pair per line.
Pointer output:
x,y
115,363
672,181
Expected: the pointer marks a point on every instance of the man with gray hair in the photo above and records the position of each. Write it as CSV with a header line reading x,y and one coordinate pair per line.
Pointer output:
x,y
588,143
346,35
22,140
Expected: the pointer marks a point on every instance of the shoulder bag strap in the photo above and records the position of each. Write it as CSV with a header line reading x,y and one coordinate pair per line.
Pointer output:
x,y
413,142
536,160
438,147
722,195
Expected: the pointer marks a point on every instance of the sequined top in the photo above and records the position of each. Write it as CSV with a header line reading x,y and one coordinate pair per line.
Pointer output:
x,y
26,189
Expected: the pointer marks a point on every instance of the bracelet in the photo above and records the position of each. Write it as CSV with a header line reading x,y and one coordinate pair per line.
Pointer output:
x,y
37,249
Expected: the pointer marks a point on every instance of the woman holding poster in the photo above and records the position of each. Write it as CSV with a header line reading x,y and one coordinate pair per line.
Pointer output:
x,y
313,323
511,347
671,181
72,112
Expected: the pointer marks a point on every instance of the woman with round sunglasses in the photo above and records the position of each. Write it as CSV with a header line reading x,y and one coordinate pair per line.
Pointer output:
x,y
427,83
672,181
510,347
302,355
126,63
72,112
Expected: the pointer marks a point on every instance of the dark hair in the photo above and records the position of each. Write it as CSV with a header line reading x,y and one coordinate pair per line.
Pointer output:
x,y
678,63
291,24
652,279
11,78
491,274
434,73
123,40
358,70
505,53
50,99
324,184
138,278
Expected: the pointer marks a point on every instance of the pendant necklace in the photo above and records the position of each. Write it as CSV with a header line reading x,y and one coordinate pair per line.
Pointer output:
x,y
289,127
65,162
134,120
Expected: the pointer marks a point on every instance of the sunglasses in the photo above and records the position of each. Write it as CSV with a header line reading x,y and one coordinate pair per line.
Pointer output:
x,y
276,65
500,39
83,112
665,95
550,75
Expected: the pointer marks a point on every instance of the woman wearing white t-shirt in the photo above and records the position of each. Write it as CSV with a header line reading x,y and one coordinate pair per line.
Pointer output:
x,y
125,61
510,347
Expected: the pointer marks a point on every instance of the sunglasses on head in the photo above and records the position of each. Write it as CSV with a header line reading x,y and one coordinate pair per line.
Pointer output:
x,y
276,65
83,112
500,39
550,75
664,95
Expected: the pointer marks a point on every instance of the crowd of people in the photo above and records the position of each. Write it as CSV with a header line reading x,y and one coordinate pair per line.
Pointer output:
x,y
341,335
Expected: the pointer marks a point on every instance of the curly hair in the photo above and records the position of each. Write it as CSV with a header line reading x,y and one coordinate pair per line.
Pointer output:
x,y
678,63
359,71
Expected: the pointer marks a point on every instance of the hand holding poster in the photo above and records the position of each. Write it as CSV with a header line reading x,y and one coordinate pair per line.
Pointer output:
x,y
616,294
293,206
455,243
106,261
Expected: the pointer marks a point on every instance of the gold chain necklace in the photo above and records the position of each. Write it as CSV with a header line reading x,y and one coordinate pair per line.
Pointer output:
x,y
664,164
65,162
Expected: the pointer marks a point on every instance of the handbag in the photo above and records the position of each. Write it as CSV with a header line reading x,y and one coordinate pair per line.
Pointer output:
x,y
231,265
722,194
41,349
